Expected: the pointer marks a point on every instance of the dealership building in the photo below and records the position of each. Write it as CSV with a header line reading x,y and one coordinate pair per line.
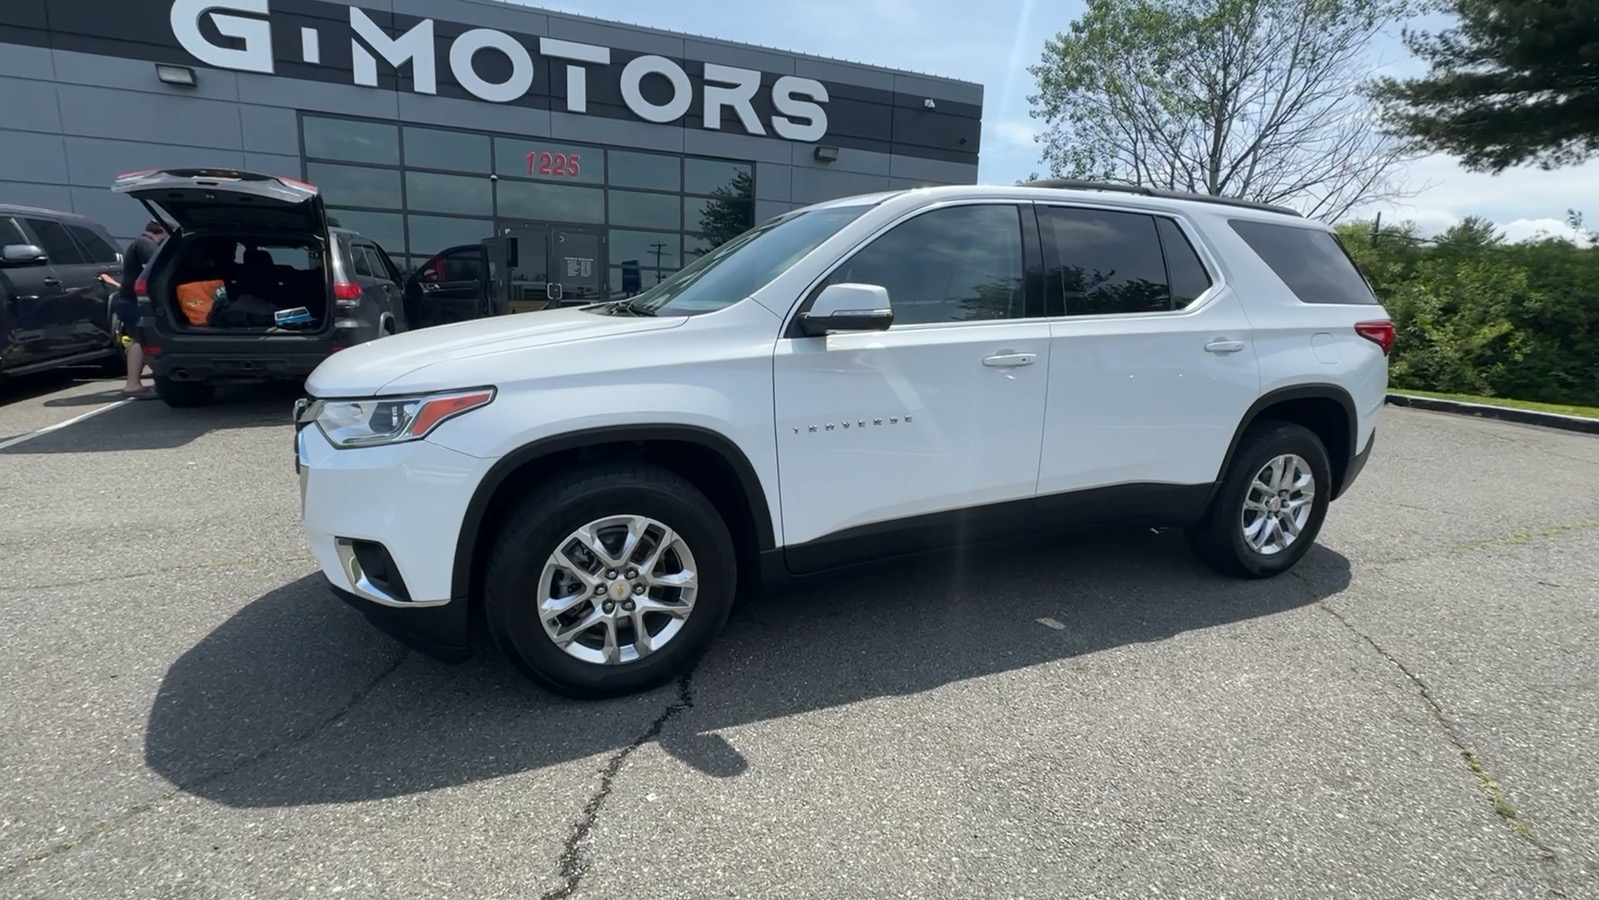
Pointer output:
x,y
432,123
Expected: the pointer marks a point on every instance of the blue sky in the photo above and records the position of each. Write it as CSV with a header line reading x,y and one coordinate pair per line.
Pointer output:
x,y
992,42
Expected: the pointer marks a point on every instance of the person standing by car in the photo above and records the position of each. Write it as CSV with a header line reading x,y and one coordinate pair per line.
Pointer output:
x,y
138,255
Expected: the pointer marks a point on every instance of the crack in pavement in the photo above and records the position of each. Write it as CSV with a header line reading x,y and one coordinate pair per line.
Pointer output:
x,y
1547,857
571,864
111,822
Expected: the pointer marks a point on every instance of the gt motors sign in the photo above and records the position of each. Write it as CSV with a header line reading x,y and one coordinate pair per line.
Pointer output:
x,y
798,102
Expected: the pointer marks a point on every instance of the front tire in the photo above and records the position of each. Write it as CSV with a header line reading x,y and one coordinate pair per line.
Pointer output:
x,y
1271,504
614,580
184,394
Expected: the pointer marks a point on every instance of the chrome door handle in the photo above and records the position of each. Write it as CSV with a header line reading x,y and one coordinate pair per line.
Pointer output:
x,y
1220,346
1006,358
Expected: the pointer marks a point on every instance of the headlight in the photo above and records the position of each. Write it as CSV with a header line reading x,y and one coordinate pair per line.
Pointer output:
x,y
391,420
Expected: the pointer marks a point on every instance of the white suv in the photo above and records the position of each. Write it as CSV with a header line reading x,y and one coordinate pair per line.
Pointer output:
x,y
862,378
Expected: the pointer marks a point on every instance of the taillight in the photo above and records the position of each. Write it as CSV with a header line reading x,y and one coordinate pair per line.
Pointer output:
x,y
338,347
141,288
1379,333
346,294
151,350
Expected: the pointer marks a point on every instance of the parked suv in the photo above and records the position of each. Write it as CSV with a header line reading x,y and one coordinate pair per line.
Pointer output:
x,y
54,310
858,379
254,284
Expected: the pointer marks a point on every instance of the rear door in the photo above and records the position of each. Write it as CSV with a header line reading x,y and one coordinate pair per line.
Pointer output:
x,y
450,286
104,259
379,290
1152,364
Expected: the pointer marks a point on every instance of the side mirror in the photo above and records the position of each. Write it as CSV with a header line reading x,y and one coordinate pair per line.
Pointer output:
x,y
848,307
23,255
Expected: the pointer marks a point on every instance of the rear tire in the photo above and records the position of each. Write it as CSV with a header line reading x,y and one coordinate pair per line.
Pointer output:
x,y
1255,527
679,531
184,394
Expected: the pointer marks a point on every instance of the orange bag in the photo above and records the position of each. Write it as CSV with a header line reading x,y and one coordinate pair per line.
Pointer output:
x,y
195,298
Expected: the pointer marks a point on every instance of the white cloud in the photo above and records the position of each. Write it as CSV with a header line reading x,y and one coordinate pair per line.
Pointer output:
x,y
1523,198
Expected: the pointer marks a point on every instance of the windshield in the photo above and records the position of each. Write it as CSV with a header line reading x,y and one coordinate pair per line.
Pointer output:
x,y
743,265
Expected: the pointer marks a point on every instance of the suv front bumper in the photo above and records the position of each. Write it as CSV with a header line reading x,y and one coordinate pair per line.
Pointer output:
x,y
383,524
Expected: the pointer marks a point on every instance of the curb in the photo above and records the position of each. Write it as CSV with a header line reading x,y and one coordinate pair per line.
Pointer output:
x,y
1502,413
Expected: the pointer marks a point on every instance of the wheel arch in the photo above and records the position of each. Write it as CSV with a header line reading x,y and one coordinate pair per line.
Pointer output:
x,y
1326,409
732,484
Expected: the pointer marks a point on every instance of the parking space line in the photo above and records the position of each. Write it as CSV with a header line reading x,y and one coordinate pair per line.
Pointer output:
x,y
22,438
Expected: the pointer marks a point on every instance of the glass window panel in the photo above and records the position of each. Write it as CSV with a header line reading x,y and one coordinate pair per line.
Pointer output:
x,y
431,149
430,234
1108,262
645,170
56,242
651,249
646,210
706,176
371,142
356,186
1311,262
957,264
696,246
538,201
469,194
549,161
387,230
99,251
720,219
629,280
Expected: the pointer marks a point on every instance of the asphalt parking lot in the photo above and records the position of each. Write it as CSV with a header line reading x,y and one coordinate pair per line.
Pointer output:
x,y
185,713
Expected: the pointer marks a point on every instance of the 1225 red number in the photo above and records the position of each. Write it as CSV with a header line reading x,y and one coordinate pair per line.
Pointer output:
x,y
541,162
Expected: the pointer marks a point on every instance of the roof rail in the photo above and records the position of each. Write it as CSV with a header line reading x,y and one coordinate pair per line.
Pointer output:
x,y
1075,184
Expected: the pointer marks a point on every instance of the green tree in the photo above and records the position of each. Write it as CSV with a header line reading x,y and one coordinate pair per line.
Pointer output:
x,y
730,212
1258,99
1513,82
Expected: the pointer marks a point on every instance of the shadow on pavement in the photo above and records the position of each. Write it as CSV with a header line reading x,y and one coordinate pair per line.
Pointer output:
x,y
152,425
17,388
287,703
296,700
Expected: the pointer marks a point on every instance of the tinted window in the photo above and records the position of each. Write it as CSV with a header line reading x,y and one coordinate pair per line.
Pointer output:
x,y
462,265
548,161
388,229
1310,261
356,186
709,176
383,265
10,233
1104,262
647,210
425,192
1188,276
94,245
959,264
373,142
358,260
430,234
430,149
645,170
644,248
56,242
551,202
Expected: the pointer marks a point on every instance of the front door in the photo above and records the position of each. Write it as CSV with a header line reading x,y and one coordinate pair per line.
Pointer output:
x,y
889,439
451,286
558,265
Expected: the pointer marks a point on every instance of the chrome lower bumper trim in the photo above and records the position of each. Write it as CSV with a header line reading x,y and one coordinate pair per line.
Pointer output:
x,y
365,589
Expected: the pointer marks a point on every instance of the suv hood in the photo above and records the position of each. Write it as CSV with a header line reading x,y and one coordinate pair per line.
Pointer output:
x,y
363,370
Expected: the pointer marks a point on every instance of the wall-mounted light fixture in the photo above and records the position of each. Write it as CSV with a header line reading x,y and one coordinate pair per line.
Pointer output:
x,y
826,154
182,76
927,103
